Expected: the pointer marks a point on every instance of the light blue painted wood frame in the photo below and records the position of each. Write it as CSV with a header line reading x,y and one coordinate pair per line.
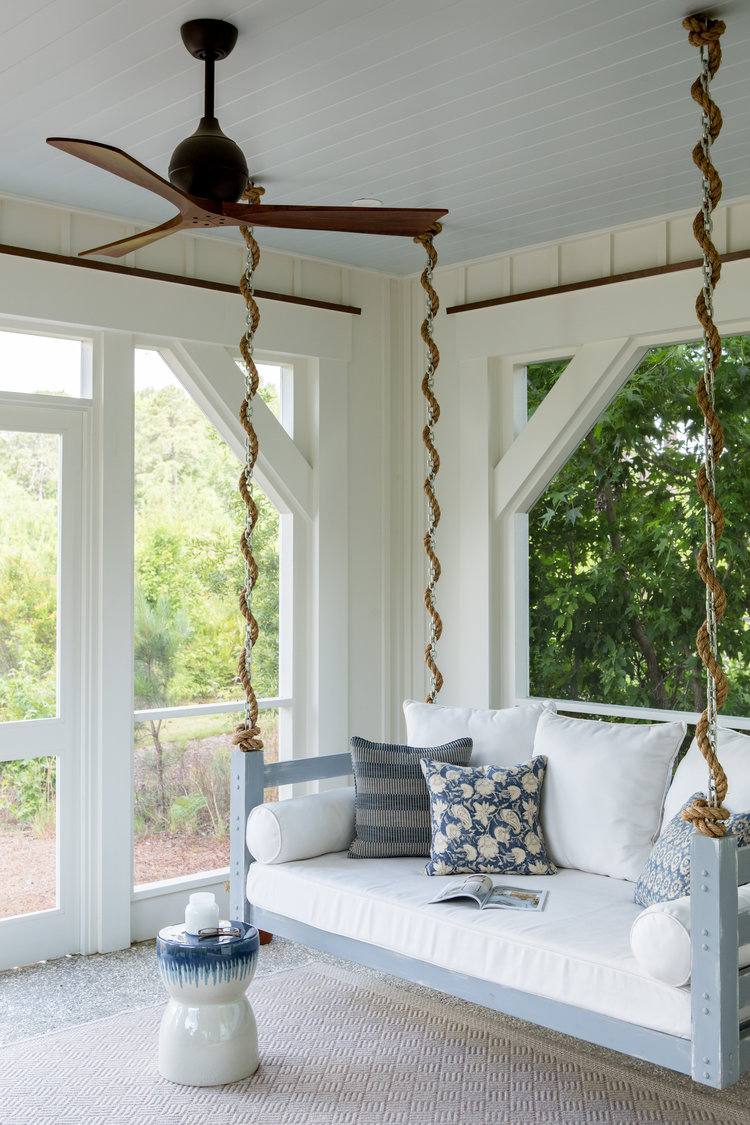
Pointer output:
x,y
719,1050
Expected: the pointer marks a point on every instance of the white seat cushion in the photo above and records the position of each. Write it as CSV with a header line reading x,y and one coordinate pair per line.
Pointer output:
x,y
604,791
501,738
692,775
576,950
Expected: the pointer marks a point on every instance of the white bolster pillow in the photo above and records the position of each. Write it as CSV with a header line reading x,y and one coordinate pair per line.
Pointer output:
x,y
302,827
660,938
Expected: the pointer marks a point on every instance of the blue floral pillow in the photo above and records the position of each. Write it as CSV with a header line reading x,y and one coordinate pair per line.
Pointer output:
x,y
486,819
666,875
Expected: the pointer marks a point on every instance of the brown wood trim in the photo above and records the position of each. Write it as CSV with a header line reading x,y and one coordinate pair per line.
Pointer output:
x,y
594,283
153,275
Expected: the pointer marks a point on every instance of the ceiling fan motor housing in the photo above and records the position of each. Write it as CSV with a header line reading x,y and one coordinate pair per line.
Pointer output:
x,y
209,165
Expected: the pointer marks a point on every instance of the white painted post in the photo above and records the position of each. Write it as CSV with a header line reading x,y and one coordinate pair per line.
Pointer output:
x,y
715,960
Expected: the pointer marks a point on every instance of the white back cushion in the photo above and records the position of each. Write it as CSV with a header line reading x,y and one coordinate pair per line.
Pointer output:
x,y
691,776
501,738
604,790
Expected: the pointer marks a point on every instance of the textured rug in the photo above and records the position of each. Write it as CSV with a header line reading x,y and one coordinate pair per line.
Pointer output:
x,y
340,1049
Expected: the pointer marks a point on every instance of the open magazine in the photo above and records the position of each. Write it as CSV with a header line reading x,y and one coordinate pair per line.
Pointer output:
x,y
480,888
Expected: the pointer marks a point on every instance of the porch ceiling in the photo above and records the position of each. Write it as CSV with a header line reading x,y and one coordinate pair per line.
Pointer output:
x,y
531,120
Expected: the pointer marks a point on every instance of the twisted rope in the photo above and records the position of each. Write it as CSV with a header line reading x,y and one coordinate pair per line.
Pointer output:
x,y
247,735
433,460
708,815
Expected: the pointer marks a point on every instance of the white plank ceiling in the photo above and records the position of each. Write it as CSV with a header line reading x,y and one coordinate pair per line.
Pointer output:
x,y
531,120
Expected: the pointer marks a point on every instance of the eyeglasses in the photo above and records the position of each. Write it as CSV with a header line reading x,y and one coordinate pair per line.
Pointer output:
x,y
219,931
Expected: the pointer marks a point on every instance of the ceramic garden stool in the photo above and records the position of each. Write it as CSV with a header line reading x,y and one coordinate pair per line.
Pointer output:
x,y
207,1034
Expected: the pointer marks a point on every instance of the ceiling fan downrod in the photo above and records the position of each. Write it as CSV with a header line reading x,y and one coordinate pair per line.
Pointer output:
x,y
208,164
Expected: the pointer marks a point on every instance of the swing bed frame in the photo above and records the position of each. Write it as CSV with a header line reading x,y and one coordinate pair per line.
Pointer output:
x,y
718,1051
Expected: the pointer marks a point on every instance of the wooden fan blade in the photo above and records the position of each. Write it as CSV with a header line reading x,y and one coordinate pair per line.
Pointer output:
x,y
114,160
404,221
136,241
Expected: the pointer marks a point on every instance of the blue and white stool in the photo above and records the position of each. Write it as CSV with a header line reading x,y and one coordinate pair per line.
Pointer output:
x,y
208,1034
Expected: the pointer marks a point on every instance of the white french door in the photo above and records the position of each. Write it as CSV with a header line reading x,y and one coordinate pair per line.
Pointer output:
x,y
44,567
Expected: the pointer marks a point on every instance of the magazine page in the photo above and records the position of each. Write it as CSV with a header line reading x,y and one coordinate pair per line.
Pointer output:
x,y
477,887
515,898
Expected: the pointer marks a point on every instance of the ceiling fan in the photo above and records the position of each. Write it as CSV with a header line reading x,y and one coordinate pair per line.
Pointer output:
x,y
208,173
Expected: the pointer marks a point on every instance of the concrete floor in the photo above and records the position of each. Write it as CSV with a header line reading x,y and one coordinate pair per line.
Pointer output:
x,y
36,999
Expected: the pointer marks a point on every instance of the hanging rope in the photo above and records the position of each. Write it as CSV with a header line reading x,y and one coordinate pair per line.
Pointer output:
x,y
247,735
707,815
433,460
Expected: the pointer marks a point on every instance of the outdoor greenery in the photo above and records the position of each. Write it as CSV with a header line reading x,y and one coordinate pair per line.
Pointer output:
x,y
188,628
615,597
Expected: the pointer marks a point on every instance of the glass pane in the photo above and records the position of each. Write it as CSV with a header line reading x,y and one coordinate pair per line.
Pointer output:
x,y
29,484
540,379
615,597
40,365
188,567
28,844
182,793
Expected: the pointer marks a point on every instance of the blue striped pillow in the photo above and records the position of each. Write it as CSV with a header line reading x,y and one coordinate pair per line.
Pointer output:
x,y
392,804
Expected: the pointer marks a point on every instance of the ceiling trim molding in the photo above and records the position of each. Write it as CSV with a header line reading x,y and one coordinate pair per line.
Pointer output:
x,y
593,283
177,279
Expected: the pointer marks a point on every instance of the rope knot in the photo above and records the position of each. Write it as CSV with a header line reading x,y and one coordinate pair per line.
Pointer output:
x,y
428,235
252,194
703,30
706,818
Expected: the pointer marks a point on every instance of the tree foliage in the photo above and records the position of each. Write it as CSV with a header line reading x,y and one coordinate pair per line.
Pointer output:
x,y
189,517
615,598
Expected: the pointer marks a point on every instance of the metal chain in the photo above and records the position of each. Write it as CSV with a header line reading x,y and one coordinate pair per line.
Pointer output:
x,y
433,460
708,444
247,735
707,815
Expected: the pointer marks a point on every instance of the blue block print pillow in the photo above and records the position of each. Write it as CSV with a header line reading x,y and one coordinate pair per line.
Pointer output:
x,y
666,875
486,819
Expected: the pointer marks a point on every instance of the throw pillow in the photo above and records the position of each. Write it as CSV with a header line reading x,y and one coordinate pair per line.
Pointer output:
x,y
604,791
692,774
666,875
391,803
501,738
486,819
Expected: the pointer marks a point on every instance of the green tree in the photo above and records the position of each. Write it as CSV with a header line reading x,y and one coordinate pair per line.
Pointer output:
x,y
615,597
189,517
160,630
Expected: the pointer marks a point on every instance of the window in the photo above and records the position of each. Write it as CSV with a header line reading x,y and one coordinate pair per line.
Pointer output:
x,y
615,598
33,364
29,516
188,629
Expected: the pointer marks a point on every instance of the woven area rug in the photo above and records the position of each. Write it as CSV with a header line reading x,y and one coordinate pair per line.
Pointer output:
x,y
337,1048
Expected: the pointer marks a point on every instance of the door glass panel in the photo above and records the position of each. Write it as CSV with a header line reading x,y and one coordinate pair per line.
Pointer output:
x,y
40,365
29,507
28,843
188,630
